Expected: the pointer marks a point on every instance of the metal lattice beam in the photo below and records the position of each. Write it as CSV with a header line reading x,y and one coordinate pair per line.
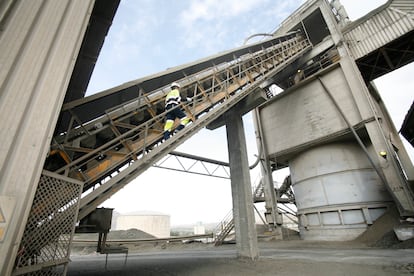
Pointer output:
x,y
206,166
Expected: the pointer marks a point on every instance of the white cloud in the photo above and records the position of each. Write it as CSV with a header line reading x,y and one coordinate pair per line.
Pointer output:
x,y
356,9
212,26
281,10
138,24
125,55
138,44
215,10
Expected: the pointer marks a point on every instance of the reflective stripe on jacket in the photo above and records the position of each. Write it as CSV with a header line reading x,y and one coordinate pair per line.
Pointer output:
x,y
173,97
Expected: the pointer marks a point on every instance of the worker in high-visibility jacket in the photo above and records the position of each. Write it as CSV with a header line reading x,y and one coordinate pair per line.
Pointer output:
x,y
172,102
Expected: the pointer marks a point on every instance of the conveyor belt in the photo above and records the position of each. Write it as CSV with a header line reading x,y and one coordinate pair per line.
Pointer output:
x,y
109,150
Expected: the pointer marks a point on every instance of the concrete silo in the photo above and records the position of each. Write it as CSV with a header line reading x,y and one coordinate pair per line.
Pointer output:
x,y
329,127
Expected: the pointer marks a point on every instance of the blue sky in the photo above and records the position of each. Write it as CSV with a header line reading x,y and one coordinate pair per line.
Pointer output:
x,y
149,36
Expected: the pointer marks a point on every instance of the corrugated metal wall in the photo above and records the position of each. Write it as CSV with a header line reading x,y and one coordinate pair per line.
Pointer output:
x,y
395,20
39,42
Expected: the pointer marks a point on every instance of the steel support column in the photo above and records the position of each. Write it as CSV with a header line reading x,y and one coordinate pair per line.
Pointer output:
x,y
397,186
269,188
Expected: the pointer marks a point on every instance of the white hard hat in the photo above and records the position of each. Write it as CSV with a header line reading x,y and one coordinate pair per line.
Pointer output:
x,y
175,84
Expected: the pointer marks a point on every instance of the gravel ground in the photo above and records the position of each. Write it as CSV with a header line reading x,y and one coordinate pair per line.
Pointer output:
x,y
374,253
289,258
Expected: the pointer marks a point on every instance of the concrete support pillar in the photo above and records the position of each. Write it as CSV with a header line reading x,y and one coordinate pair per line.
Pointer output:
x,y
39,42
243,213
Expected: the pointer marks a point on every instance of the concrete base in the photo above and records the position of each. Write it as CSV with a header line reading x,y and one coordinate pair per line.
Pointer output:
x,y
332,233
404,232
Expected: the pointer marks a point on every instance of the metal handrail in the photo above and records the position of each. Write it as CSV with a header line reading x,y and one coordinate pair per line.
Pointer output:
x,y
133,138
243,62
222,229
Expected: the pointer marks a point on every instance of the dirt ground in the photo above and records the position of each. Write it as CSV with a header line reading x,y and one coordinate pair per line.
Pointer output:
x,y
376,252
288,257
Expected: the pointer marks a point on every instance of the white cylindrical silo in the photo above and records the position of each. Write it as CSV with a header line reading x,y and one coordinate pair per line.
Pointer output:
x,y
338,193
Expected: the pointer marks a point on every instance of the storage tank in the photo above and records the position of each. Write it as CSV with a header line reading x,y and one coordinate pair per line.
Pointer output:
x,y
154,223
338,193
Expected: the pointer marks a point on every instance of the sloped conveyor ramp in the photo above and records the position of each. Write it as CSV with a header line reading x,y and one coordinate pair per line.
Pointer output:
x,y
111,150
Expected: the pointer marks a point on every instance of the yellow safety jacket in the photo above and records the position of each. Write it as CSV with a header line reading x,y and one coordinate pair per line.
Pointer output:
x,y
173,97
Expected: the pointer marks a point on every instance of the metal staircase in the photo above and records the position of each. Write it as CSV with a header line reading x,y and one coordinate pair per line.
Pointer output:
x,y
284,190
223,229
258,192
109,151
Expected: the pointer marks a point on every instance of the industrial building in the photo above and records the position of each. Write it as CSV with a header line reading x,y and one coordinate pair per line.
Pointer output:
x,y
347,162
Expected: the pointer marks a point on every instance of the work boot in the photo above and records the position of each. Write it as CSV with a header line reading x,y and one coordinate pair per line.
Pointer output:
x,y
166,135
180,127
